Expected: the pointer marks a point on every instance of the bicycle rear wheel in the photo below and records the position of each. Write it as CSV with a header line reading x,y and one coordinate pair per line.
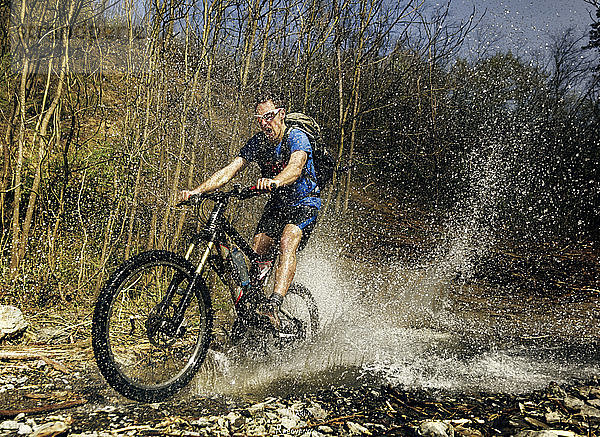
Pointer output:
x,y
299,314
135,345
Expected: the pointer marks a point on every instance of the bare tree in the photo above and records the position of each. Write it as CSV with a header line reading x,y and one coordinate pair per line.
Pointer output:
x,y
568,66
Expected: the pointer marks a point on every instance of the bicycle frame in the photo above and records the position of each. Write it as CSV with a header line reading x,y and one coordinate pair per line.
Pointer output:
x,y
215,231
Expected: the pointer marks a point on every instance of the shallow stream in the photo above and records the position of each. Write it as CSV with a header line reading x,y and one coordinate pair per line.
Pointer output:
x,y
417,327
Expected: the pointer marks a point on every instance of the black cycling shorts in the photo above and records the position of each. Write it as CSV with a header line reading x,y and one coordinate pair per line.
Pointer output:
x,y
274,219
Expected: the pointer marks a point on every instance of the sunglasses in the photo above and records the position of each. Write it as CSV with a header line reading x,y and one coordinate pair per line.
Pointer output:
x,y
269,115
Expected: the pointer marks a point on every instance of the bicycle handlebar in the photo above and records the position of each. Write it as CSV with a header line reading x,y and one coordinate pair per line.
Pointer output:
x,y
217,196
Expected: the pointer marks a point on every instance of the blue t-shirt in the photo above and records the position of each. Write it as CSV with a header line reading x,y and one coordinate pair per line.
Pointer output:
x,y
273,159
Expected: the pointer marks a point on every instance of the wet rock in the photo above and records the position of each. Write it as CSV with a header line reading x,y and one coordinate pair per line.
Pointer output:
x,y
594,402
537,423
271,416
24,429
236,420
51,429
573,403
9,425
256,408
387,411
545,433
554,417
312,433
435,429
589,411
255,429
357,429
289,422
467,432
202,422
12,321
316,411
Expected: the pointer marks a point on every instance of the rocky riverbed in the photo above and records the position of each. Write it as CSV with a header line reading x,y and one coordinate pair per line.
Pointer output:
x,y
51,390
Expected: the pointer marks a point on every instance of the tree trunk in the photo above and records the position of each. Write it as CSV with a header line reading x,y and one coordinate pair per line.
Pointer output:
x,y
16,226
41,152
250,35
352,137
341,122
183,213
265,45
132,212
82,251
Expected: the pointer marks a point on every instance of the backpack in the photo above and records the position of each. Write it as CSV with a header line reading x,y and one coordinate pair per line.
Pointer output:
x,y
322,159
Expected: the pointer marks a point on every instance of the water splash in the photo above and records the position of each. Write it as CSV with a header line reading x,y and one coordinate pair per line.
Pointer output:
x,y
389,323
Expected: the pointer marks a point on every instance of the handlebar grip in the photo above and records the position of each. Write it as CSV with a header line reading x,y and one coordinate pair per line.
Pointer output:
x,y
192,200
273,187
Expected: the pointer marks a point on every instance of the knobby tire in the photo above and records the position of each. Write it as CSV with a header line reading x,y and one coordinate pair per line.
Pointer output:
x,y
137,358
309,315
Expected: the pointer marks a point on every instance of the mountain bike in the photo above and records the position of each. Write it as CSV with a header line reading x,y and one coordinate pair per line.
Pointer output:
x,y
153,320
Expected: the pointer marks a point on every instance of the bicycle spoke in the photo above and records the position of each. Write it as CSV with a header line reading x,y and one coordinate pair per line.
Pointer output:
x,y
141,345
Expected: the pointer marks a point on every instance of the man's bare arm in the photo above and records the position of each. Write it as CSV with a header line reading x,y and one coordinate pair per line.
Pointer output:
x,y
218,179
289,175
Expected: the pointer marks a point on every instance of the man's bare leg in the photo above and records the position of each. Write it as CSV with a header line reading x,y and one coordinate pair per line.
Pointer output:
x,y
262,244
286,268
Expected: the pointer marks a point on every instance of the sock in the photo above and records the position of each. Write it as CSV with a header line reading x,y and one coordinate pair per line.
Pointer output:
x,y
276,300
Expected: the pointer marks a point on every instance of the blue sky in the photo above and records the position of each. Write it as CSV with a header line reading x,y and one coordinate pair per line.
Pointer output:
x,y
522,26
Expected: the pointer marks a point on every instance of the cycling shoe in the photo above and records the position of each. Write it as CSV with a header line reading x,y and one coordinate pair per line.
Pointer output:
x,y
271,312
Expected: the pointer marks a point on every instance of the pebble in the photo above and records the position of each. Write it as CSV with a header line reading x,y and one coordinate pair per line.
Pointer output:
x,y
589,411
545,412
24,429
201,422
289,422
357,429
317,411
50,429
256,408
554,417
312,433
573,403
435,428
236,420
9,425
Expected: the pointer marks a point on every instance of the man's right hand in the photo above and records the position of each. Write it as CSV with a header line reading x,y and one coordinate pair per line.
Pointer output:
x,y
183,195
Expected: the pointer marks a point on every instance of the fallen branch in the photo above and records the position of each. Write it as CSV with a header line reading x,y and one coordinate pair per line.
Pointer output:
x,y
8,355
334,420
43,409
133,428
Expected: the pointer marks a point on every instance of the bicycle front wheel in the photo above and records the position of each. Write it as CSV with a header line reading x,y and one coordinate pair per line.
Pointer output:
x,y
139,351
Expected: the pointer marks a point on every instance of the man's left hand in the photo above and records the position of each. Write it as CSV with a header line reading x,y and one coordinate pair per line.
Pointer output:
x,y
267,184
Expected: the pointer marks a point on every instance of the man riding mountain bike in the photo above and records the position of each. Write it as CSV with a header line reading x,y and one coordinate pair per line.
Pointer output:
x,y
285,157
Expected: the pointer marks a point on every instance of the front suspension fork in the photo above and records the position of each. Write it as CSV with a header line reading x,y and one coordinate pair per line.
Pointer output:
x,y
171,327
